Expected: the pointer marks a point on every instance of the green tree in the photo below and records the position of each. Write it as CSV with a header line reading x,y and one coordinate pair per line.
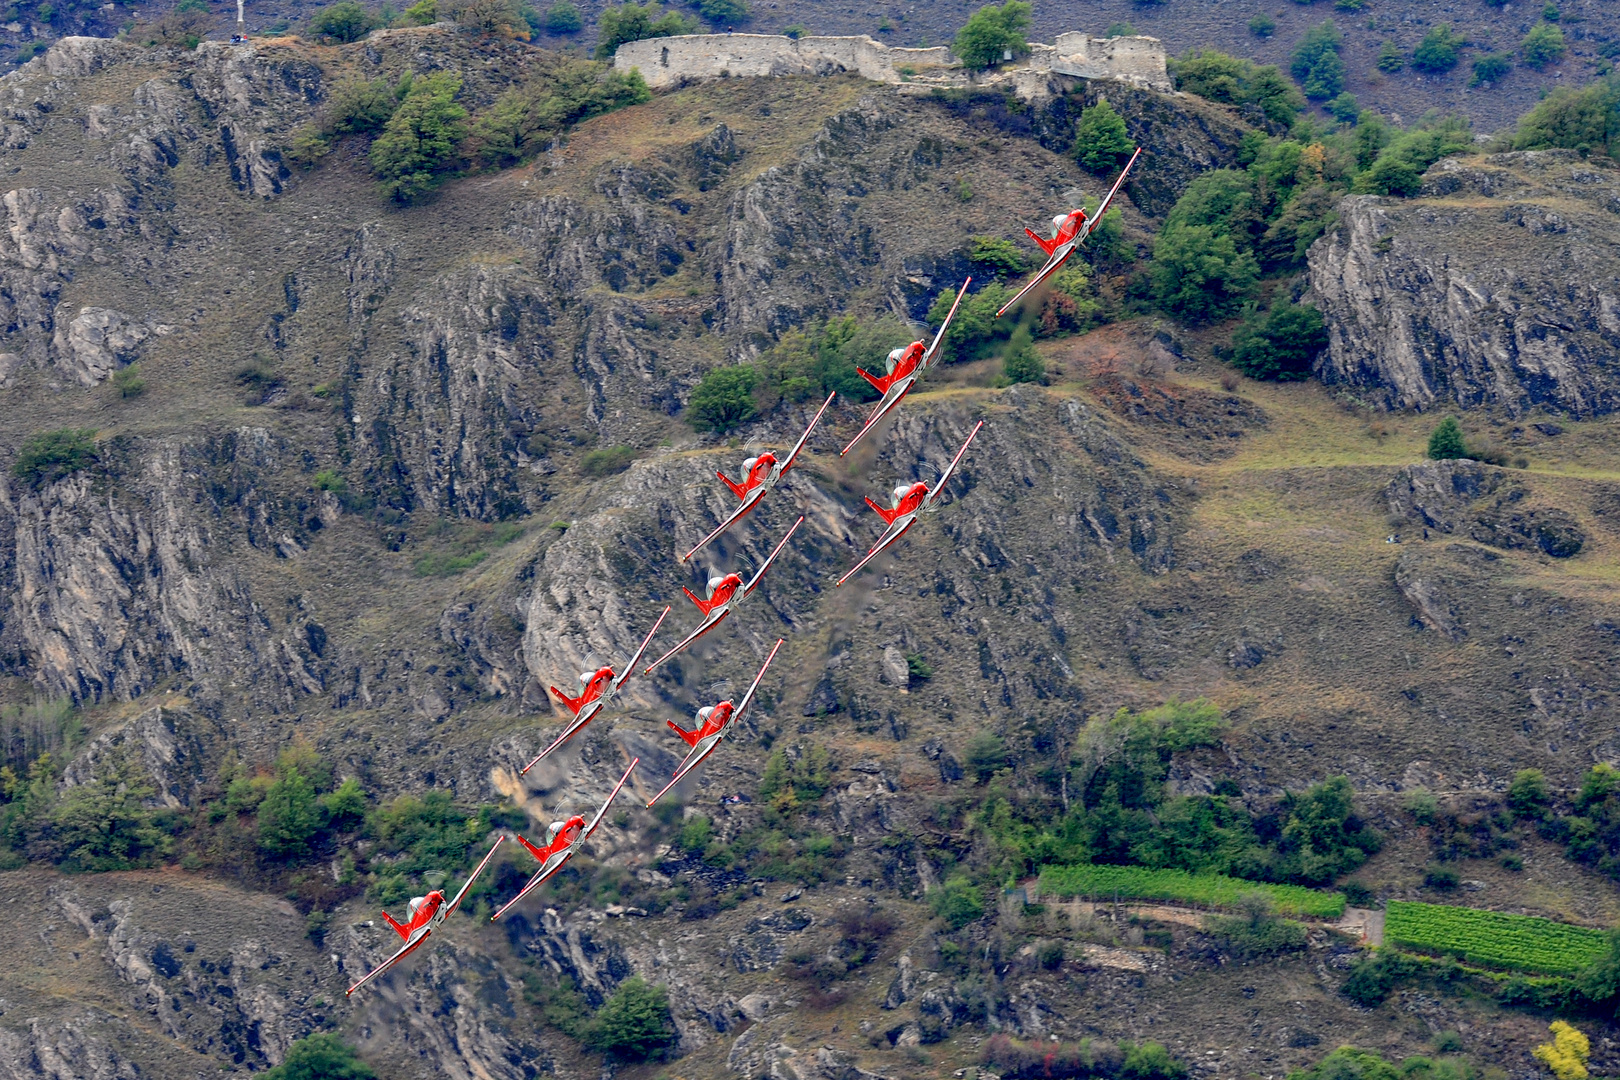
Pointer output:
x,y
128,382
524,120
637,22
723,399
1446,441
100,825
725,13
1543,45
1437,52
322,1056
1199,274
52,455
1490,68
1102,143
1262,25
991,33
563,18
1022,364
1344,108
1322,837
634,1024
422,13
1390,58
343,21
418,145
1527,796
1282,345
1315,61
1584,119
289,816
345,808
995,257
958,902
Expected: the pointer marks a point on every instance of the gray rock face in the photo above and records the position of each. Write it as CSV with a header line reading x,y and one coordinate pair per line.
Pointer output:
x,y
1484,503
96,341
1498,286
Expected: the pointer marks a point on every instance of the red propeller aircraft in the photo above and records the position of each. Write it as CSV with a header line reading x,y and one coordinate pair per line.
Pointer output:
x,y
760,474
1069,232
562,840
909,501
425,914
713,723
905,365
725,595
597,689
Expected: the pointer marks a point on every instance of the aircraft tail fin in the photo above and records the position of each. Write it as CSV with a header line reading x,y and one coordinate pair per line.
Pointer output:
x,y
880,385
536,852
573,703
1047,246
398,929
883,512
702,605
689,737
736,488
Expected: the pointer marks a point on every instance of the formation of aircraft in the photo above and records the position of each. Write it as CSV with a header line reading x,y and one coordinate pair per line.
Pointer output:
x,y
760,474
1069,231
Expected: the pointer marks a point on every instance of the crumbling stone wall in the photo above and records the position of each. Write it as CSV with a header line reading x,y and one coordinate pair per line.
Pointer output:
x,y
666,62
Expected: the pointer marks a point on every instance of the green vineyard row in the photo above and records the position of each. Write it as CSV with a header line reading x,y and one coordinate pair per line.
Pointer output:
x,y
1519,942
1216,890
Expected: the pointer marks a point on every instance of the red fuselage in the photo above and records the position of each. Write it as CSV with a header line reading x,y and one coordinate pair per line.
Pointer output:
x,y
724,591
425,911
1070,226
909,360
597,684
565,835
762,468
911,499
717,720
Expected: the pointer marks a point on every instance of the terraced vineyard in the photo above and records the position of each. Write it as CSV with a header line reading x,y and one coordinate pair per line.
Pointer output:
x,y
1495,938
1178,886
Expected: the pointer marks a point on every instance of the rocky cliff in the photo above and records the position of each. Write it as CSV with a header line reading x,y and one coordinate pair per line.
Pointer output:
x,y
1495,287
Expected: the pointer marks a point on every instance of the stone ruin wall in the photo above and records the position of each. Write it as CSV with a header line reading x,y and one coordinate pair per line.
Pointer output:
x,y
667,62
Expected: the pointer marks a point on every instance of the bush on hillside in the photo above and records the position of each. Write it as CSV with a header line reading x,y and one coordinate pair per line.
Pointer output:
x,y
522,121
1587,119
991,33
322,1056
634,1024
1230,80
1490,68
1200,275
723,399
1282,344
1446,441
727,13
1390,58
1543,45
51,455
1438,50
958,902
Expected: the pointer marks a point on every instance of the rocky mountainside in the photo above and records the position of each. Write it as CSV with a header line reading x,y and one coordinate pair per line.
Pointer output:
x,y
355,509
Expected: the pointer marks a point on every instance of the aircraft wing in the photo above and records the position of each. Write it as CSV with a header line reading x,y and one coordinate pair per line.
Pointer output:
x,y
573,727
630,666
540,878
404,951
602,813
754,584
474,876
787,463
736,713
732,519
880,547
933,349
709,623
955,461
1102,207
692,761
884,407
1059,257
